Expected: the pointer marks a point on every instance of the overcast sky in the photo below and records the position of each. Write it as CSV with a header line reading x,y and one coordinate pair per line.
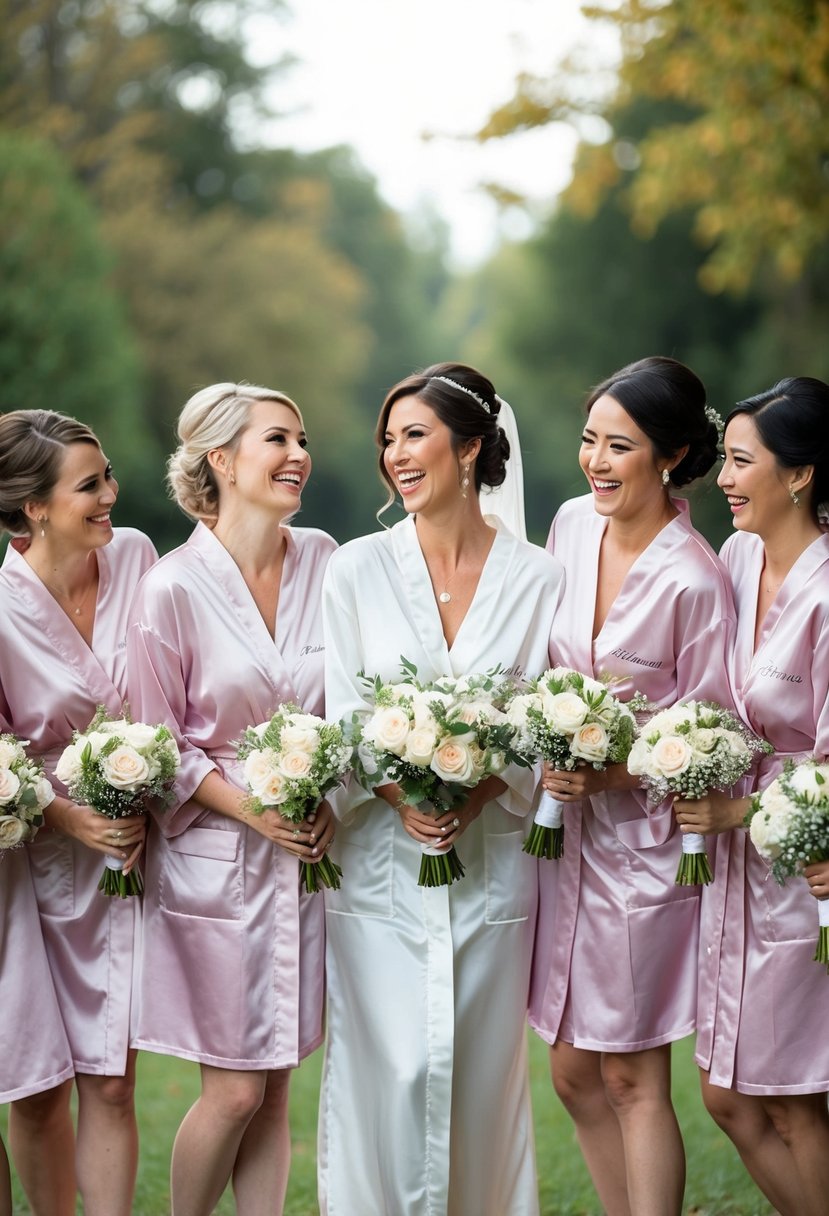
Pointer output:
x,y
377,74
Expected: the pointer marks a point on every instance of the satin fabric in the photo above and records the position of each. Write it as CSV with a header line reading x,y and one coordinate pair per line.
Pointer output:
x,y
615,958
52,684
763,1002
233,961
425,1102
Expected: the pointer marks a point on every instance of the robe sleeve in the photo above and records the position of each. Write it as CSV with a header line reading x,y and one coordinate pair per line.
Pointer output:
x,y
703,631
820,684
158,694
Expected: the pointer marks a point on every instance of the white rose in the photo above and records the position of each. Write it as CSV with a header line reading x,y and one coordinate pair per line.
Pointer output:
x,y
565,711
367,759
12,831
43,792
138,735
125,768
9,752
804,779
68,767
518,707
116,727
295,765
390,729
96,740
274,790
670,756
639,759
420,746
590,742
704,740
300,736
735,743
260,729
497,762
258,766
667,721
453,761
9,786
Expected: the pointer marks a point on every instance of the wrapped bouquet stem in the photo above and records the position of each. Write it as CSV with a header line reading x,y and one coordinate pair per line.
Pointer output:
x,y
689,750
290,763
567,719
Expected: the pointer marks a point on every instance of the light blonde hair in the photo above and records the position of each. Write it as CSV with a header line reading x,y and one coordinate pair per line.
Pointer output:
x,y
32,447
214,417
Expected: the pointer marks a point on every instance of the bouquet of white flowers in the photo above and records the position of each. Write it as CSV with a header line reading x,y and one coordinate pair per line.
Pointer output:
x,y
435,741
688,750
567,719
119,767
290,763
789,826
24,792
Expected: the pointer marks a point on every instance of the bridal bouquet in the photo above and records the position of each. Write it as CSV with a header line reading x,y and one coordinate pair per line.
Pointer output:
x,y
24,792
435,741
290,763
119,767
789,826
567,719
688,750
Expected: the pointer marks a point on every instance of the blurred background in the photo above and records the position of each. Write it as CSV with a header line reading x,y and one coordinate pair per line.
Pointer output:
x,y
322,197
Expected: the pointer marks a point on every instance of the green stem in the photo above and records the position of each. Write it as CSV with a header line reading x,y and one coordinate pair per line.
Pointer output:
x,y
694,870
545,842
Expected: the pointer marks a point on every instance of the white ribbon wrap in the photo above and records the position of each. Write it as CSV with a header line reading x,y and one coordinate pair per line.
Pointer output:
x,y
692,842
550,813
823,913
113,863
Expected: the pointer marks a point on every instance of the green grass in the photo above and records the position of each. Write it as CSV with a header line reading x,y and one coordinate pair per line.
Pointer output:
x,y
717,1183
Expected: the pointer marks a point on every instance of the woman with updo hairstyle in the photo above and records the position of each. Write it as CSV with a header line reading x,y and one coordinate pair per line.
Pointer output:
x,y
225,630
762,1043
65,588
647,608
425,1103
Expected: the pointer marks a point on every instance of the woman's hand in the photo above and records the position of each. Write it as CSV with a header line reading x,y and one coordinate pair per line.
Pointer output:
x,y
585,780
120,838
306,840
711,814
817,876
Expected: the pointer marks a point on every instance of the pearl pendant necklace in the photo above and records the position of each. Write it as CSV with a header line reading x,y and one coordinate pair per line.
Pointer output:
x,y
444,597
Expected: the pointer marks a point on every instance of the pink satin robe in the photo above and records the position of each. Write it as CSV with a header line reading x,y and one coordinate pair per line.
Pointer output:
x,y
425,1102
616,947
52,683
233,962
763,1003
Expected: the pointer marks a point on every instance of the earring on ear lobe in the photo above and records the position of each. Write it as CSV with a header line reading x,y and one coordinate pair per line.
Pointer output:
x,y
41,519
231,478
465,482
666,477
793,496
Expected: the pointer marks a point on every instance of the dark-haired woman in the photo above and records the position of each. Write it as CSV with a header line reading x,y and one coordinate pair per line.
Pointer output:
x,y
762,1039
647,607
425,1105
65,589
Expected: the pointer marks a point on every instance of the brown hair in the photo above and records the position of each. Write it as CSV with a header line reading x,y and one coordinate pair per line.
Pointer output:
x,y
32,444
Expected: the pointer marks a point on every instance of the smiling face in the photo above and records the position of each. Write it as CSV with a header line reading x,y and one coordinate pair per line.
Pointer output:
x,y
755,485
270,464
619,462
78,509
420,458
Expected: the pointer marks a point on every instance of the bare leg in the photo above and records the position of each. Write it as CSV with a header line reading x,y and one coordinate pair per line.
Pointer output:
x,y
5,1183
260,1175
42,1143
577,1078
802,1122
106,1158
748,1125
638,1087
208,1141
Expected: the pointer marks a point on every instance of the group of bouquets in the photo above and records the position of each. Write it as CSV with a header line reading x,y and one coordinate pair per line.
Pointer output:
x,y
436,741
789,826
25,792
120,768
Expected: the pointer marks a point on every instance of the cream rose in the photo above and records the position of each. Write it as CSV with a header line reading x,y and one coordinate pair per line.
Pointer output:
x,y
390,729
68,767
258,766
453,761
9,786
9,752
295,764
125,768
300,736
565,711
420,746
670,756
274,790
590,742
12,831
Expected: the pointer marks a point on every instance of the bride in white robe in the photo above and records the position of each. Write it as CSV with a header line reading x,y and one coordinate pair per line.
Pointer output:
x,y
425,1104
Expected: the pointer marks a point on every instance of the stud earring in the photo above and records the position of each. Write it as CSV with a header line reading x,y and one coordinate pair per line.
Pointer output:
x,y
231,479
666,477
793,496
465,482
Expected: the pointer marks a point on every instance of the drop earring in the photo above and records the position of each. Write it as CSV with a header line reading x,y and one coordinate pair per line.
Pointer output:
x,y
465,482
793,496
41,519
666,477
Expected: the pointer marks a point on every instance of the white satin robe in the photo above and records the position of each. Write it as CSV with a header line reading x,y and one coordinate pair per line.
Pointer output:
x,y
425,1102
763,1002
52,683
615,960
233,962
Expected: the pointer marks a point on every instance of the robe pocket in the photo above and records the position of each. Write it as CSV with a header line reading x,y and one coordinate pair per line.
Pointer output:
x,y
511,880
52,865
201,876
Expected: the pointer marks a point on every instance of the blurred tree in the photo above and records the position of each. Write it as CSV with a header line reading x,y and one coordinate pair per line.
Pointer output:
x,y
748,148
64,342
